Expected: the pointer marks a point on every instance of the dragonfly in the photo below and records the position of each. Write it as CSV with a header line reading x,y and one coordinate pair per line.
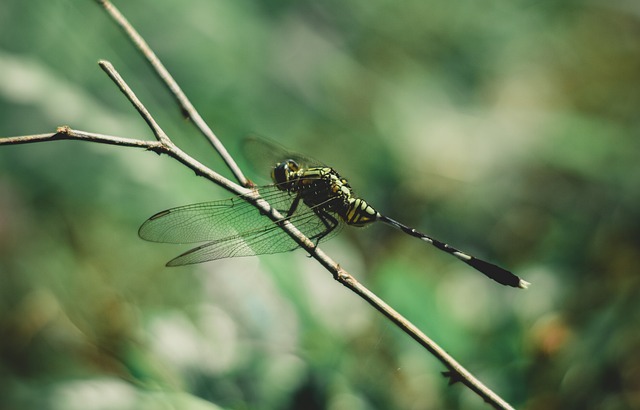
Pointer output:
x,y
307,193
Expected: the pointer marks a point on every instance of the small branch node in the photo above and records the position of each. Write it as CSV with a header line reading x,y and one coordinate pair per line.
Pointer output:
x,y
63,129
158,149
453,376
343,276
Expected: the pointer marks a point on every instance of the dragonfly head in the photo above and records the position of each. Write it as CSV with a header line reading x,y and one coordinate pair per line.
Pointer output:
x,y
285,173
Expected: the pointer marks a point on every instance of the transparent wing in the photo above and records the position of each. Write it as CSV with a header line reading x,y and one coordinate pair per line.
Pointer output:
x,y
212,220
264,240
234,227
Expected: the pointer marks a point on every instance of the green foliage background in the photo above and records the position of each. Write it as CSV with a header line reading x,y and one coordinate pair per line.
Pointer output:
x,y
508,129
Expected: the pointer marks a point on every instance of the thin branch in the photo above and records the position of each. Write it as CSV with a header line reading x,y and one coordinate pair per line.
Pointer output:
x,y
188,110
456,373
166,145
160,135
64,132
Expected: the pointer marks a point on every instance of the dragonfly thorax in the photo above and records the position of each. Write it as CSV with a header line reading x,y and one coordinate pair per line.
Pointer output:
x,y
324,190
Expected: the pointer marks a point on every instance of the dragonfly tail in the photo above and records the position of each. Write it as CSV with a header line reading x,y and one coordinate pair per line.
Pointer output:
x,y
498,274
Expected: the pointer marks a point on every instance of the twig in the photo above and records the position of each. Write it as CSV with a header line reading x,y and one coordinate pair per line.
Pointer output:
x,y
456,373
187,109
163,144
66,133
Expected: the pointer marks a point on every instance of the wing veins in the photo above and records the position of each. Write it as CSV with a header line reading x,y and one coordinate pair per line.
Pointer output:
x,y
245,243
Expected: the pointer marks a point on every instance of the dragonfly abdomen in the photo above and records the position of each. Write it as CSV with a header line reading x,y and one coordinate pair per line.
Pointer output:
x,y
359,213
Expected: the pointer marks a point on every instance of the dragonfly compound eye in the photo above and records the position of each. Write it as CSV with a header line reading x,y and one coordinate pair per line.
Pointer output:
x,y
292,165
284,172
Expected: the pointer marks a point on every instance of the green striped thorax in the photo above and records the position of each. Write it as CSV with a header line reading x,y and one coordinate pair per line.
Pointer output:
x,y
322,188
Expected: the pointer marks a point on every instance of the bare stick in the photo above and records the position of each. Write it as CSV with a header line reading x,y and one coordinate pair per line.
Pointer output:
x,y
160,135
66,133
188,110
456,372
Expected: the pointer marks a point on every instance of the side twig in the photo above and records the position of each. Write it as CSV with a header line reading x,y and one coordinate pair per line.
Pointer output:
x,y
66,133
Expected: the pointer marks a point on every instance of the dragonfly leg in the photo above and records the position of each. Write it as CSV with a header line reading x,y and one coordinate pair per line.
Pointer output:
x,y
293,206
329,221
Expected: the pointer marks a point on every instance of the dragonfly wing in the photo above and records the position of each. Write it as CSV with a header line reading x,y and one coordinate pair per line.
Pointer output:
x,y
267,241
262,240
209,221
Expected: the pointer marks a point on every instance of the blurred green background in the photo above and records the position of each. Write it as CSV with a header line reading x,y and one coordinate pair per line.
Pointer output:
x,y
507,129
